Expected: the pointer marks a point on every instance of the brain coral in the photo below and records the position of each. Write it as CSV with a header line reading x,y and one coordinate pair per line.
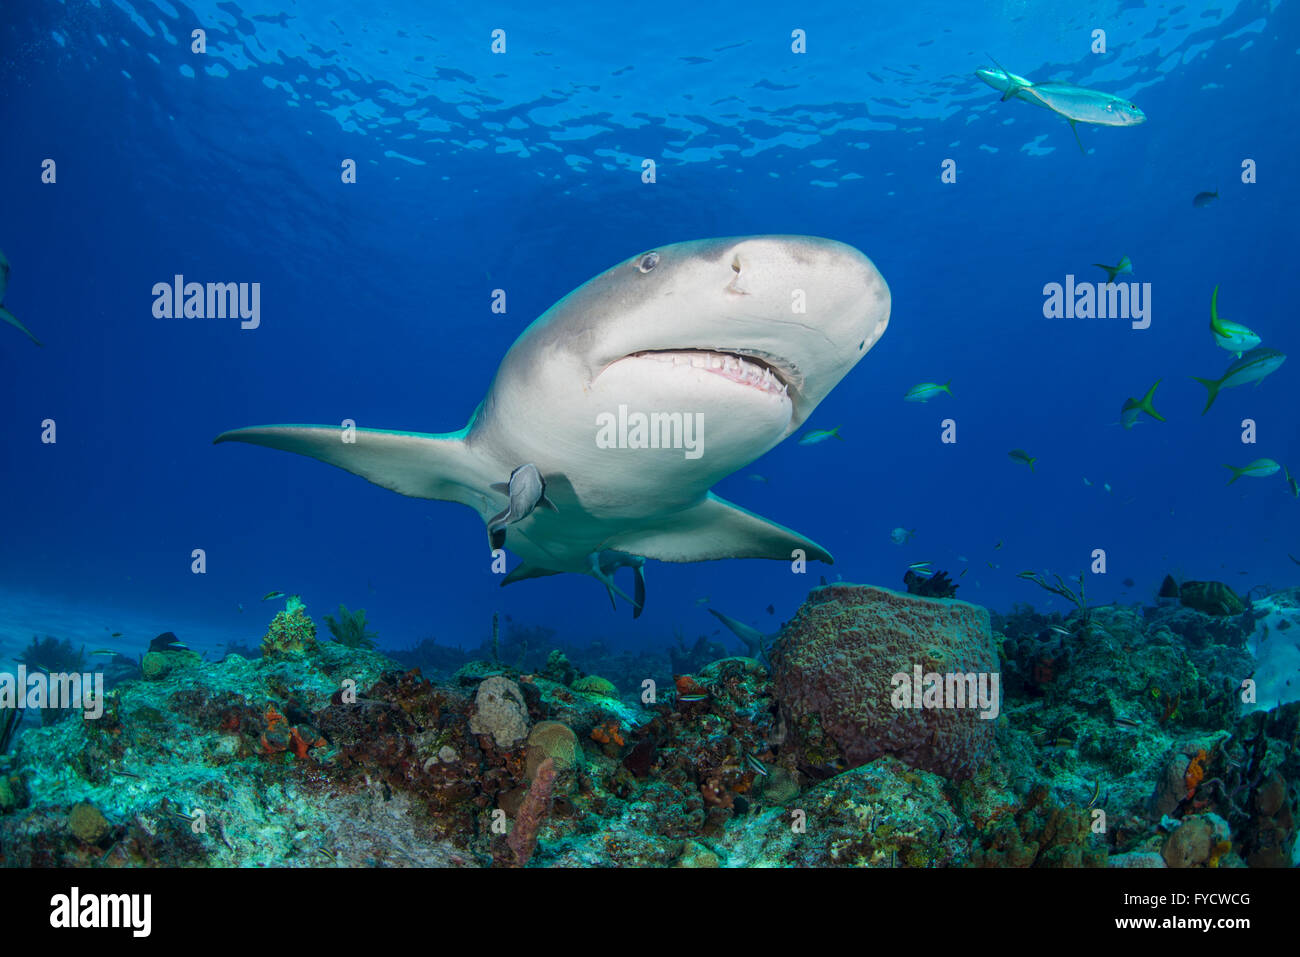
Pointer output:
x,y
594,684
551,739
832,673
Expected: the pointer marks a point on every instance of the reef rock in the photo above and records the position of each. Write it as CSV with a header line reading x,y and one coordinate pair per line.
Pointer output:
x,y
833,668
499,710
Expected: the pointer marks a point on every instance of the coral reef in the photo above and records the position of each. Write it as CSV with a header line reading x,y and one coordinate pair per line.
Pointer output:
x,y
1040,833
291,632
1123,741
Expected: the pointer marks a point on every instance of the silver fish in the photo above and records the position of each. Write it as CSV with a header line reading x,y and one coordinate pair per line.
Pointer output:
x,y
526,490
1076,104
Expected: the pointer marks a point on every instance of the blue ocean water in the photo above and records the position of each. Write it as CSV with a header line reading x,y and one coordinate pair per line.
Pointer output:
x,y
522,170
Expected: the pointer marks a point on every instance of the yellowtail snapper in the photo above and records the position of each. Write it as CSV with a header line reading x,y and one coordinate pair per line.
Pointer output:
x,y
1252,367
821,435
1132,407
1260,468
1122,268
926,391
1023,457
1229,335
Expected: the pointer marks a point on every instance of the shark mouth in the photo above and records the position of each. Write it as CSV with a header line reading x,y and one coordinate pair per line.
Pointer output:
x,y
765,374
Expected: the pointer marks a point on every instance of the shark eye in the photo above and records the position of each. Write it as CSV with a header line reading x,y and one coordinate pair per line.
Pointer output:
x,y
648,262
1110,107
735,264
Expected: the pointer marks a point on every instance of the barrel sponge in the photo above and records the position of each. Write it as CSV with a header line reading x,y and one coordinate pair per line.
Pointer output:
x,y
499,710
833,668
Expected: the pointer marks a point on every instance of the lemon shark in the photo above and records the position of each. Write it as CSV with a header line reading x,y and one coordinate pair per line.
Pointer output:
x,y
742,337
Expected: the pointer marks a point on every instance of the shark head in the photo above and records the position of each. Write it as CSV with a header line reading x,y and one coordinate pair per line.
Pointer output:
x,y
750,333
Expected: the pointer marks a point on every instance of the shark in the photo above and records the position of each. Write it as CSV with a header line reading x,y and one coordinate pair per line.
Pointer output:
x,y
741,337
756,642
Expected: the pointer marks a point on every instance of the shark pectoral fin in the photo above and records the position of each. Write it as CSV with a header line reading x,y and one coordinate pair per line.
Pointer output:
x,y
713,529
521,572
409,463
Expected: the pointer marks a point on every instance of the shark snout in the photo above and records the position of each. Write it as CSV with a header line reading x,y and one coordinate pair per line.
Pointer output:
x,y
809,307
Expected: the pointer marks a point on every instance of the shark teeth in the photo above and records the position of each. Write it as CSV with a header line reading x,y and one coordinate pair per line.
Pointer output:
x,y
742,369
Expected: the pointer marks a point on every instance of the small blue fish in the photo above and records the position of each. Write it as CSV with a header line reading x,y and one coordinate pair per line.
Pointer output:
x,y
813,438
900,535
1020,455
926,391
755,765
1201,200
1260,468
